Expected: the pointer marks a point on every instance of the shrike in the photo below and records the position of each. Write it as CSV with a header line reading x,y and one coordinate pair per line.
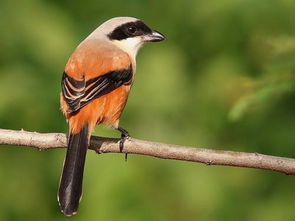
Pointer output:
x,y
95,87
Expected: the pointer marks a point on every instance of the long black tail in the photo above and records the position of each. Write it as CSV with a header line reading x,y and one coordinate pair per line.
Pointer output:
x,y
70,187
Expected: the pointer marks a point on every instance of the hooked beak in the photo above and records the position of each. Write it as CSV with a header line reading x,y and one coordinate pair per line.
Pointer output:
x,y
155,36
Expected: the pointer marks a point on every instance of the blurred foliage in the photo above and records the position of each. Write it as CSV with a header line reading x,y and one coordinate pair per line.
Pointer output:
x,y
224,79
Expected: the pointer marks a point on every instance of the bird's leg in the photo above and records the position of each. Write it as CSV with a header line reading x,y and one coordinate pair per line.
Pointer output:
x,y
124,133
124,136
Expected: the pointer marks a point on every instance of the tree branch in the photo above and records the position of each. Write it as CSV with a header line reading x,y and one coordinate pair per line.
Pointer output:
x,y
159,150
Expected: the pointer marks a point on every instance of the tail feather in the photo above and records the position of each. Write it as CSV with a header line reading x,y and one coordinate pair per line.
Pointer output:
x,y
70,187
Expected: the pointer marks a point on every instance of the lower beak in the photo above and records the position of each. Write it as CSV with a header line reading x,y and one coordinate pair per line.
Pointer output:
x,y
154,37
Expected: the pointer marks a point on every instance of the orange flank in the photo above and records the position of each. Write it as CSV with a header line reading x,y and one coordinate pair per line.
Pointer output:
x,y
105,109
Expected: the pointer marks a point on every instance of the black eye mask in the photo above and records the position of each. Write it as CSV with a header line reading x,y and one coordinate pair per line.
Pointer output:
x,y
130,29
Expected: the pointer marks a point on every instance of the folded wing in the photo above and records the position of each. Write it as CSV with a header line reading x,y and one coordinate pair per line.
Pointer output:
x,y
78,93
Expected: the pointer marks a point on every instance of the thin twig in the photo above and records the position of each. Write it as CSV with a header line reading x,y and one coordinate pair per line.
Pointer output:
x,y
159,150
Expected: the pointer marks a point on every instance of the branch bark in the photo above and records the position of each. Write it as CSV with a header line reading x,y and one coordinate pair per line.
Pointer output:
x,y
160,150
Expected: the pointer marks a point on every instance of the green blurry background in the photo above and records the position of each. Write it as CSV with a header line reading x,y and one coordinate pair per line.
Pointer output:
x,y
224,79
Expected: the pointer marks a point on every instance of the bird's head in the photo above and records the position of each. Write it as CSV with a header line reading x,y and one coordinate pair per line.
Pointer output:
x,y
127,33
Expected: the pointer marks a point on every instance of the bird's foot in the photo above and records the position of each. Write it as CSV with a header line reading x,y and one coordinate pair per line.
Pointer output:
x,y
124,137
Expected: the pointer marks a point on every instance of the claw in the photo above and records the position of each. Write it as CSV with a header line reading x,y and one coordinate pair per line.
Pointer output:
x,y
124,137
121,143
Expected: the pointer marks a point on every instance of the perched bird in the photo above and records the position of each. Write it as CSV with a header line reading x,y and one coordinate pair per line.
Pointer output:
x,y
95,87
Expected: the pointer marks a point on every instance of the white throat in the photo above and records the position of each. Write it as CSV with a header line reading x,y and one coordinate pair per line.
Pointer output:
x,y
129,45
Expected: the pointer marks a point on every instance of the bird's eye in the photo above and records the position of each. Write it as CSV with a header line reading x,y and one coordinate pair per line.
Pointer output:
x,y
132,29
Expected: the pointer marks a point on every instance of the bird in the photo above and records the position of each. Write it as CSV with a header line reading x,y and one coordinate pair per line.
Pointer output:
x,y
94,89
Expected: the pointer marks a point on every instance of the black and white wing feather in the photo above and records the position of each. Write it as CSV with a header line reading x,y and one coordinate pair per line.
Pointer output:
x,y
78,93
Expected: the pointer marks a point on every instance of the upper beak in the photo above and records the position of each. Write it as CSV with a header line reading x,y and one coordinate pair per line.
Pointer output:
x,y
154,37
